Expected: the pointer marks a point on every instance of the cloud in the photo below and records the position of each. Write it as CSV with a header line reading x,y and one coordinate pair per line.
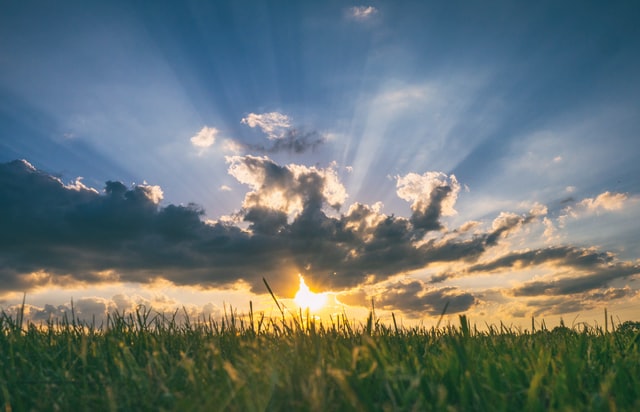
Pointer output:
x,y
293,141
579,302
289,189
569,256
232,146
205,138
590,269
273,124
604,201
598,277
92,310
282,135
432,195
57,235
416,299
356,297
294,222
362,12
95,310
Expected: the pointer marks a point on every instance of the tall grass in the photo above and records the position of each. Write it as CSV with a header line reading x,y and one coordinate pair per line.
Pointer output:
x,y
149,361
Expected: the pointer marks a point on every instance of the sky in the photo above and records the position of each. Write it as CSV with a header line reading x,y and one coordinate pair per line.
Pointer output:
x,y
420,155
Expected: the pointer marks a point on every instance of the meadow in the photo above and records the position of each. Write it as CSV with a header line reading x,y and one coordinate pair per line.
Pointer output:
x,y
146,361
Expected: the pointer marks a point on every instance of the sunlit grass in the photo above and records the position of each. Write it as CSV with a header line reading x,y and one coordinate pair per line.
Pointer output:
x,y
149,361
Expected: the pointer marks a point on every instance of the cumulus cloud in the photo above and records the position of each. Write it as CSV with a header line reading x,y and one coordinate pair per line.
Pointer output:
x,y
604,201
273,124
295,222
57,235
91,310
205,138
288,189
432,195
417,299
96,310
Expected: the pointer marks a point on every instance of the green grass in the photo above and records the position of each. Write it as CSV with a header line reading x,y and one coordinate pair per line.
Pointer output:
x,y
145,361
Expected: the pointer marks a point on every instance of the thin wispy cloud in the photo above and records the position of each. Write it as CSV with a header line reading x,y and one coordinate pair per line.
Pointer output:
x,y
293,141
282,135
362,12
273,124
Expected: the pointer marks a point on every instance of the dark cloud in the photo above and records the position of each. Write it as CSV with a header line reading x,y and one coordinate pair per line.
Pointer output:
x,y
557,305
506,223
416,299
440,277
60,234
597,278
293,141
564,255
592,270
54,233
428,217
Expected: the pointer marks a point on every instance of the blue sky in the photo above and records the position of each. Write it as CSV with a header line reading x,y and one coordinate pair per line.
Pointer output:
x,y
416,153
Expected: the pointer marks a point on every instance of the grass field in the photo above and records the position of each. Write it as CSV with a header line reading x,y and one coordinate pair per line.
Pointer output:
x,y
147,361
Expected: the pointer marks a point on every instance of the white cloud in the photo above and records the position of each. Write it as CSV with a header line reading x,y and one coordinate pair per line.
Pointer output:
x,y
403,97
79,186
549,230
362,12
285,188
205,138
273,124
153,192
225,188
231,146
418,189
604,201
506,220
538,209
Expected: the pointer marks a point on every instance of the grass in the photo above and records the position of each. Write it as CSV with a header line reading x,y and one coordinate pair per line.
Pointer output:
x,y
148,361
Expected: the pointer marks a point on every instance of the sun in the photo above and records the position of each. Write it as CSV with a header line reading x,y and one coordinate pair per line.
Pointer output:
x,y
306,299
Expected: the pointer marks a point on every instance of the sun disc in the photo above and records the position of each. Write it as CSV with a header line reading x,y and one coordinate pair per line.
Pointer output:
x,y
306,299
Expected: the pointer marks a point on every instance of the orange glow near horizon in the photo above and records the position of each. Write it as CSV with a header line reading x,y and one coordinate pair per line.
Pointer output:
x,y
306,299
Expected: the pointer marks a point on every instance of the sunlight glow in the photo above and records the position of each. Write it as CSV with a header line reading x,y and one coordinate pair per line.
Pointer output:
x,y
306,299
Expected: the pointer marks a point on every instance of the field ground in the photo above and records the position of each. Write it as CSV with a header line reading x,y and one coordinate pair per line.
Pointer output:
x,y
146,361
